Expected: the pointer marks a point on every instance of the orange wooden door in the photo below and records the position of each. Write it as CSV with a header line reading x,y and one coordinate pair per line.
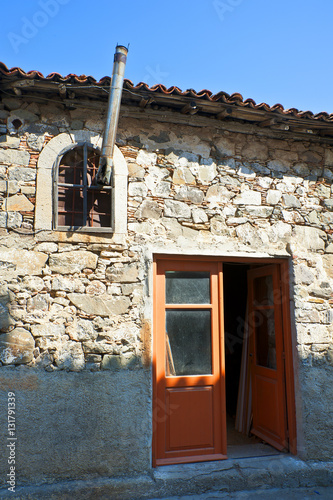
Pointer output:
x,y
266,356
188,415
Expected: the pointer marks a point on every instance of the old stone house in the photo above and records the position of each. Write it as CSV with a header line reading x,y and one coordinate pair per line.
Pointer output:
x,y
138,319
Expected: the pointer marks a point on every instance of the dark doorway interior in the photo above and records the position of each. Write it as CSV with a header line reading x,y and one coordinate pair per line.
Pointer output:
x,y
235,297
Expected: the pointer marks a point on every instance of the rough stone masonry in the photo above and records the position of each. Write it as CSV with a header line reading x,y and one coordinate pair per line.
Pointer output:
x,y
76,309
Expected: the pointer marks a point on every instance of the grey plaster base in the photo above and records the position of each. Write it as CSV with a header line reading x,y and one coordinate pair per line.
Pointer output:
x,y
191,479
72,426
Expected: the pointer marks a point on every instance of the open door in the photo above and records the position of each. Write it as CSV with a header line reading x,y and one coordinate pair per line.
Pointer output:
x,y
267,356
189,401
189,411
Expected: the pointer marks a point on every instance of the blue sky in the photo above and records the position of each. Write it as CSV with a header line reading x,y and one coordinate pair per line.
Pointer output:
x,y
274,51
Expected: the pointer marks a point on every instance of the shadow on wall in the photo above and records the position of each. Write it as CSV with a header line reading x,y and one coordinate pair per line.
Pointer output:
x,y
6,323
16,344
5,319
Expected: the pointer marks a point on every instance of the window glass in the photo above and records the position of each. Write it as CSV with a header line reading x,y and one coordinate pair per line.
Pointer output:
x,y
265,338
188,342
187,287
263,291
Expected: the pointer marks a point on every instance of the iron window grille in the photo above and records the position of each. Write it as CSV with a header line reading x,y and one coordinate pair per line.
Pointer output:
x,y
80,203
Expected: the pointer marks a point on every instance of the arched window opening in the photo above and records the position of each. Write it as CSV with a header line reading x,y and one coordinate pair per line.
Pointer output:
x,y
80,201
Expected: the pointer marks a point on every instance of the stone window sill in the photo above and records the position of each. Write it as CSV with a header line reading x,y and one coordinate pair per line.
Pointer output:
x,y
91,230
80,237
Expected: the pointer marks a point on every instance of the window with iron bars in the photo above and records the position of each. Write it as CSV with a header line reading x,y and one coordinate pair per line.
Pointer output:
x,y
80,202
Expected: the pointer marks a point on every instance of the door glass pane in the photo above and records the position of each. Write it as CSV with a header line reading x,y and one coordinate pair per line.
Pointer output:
x,y
263,291
188,342
187,287
265,338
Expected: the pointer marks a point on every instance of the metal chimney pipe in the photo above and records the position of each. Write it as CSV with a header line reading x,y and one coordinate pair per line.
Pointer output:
x,y
116,87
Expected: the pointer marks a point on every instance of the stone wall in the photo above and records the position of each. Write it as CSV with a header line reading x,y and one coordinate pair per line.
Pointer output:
x,y
83,303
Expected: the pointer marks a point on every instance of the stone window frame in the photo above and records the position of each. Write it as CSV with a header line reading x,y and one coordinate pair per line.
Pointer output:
x,y
47,162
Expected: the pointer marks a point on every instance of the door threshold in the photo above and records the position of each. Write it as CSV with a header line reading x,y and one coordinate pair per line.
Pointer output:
x,y
252,451
190,460
215,466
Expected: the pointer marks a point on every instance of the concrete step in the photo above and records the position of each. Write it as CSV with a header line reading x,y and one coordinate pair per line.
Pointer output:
x,y
272,475
319,492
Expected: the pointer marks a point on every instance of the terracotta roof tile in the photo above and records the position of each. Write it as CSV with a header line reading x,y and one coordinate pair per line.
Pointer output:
x,y
205,95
